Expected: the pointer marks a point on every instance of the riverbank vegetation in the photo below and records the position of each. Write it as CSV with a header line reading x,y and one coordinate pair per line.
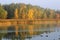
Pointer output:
x,y
27,11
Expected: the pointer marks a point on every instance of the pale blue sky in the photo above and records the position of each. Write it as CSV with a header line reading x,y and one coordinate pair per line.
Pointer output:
x,y
53,4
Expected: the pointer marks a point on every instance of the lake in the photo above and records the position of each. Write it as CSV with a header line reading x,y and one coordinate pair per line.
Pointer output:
x,y
42,31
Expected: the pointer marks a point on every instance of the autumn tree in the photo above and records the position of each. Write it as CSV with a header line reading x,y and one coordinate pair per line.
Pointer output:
x,y
40,14
16,13
21,11
28,11
46,13
3,13
30,14
52,14
10,9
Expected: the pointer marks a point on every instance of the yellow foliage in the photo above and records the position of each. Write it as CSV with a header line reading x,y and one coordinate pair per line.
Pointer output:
x,y
16,13
30,14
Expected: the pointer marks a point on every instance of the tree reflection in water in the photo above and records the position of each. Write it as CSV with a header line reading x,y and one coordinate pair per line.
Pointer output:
x,y
27,31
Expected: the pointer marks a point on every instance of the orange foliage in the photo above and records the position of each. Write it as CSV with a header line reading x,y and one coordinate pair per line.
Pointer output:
x,y
30,14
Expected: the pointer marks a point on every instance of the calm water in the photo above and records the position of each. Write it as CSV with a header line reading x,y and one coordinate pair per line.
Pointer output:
x,y
31,32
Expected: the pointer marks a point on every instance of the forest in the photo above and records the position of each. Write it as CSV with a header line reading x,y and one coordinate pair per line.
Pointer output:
x,y
26,11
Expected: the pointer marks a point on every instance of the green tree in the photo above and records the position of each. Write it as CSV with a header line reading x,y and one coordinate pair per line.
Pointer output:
x,y
22,11
52,14
10,9
3,13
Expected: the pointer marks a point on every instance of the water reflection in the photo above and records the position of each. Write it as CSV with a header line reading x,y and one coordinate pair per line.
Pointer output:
x,y
32,32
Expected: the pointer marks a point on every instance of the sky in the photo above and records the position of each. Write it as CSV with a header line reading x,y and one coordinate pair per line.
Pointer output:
x,y
52,4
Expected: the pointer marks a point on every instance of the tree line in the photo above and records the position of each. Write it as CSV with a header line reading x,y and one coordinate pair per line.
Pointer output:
x,y
26,11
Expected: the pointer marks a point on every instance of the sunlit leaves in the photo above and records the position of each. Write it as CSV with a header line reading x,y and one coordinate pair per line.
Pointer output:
x,y
30,14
